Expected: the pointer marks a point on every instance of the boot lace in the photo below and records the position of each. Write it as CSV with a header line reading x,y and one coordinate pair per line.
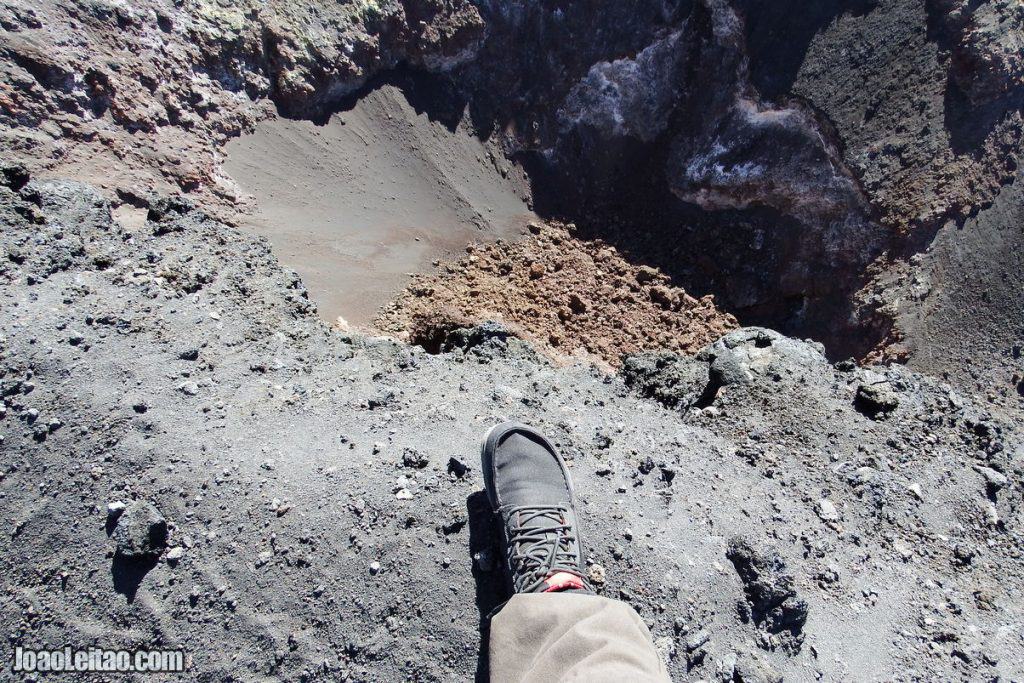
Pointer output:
x,y
540,543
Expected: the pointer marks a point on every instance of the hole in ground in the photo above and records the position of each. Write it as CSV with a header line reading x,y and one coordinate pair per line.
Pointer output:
x,y
397,179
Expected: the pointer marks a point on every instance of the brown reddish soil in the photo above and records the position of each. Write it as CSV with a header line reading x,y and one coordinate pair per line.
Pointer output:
x,y
570,296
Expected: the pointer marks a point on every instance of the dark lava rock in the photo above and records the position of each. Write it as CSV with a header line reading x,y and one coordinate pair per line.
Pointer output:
x,y
415,459
876,400
669,378
141,532
847,365
985,39
486,341
963,555
457,467
164,210
771,600
466,338
381,399
14,175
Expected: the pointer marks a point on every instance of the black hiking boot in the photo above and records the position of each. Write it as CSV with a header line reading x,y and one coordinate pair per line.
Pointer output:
x,y
530,489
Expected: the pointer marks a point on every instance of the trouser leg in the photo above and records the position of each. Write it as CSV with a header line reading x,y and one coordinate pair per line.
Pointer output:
x,y
546,637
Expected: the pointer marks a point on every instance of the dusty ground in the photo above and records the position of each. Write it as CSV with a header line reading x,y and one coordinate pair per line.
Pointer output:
x,y
570,297
313,483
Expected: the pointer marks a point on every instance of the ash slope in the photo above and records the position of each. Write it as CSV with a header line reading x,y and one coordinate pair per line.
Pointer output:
x,y
378,192
181,365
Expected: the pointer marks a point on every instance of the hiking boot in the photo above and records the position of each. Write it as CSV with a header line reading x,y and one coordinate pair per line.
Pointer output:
x,y
530,489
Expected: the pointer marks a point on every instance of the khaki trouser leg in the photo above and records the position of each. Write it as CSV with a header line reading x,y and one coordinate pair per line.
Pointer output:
x,y
541,638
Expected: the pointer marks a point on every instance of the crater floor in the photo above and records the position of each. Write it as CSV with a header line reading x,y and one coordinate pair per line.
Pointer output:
x,y
377,192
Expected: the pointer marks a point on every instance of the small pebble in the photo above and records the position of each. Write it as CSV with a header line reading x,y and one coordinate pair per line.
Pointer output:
x,y
827,510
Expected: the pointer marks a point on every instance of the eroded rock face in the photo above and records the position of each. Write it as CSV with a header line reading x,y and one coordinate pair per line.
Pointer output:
x,y
760,155
536,53
317,56
740,151
630,97
730,149
735,146
987,45
687,111
139,96
869,124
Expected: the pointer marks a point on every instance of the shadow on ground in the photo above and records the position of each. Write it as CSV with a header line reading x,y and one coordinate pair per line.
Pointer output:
x,y
491,587
128,574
